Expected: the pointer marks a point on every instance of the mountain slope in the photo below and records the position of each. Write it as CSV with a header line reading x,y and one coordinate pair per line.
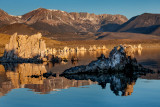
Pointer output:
x,y
124,35
57,24
5,18
19,28
71,22
146,23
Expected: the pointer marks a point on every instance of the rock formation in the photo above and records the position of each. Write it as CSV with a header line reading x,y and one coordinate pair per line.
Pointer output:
x,y
23,48
118,61
65,52
132,49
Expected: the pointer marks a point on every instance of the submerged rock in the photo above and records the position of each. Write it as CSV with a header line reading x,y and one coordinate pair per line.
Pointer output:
x,y
118,61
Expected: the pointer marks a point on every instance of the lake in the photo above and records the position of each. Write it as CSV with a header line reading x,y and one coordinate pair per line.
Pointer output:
x,y
24,85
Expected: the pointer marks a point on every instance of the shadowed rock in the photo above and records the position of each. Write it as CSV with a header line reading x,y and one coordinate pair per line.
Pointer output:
x,y
118,61
119,82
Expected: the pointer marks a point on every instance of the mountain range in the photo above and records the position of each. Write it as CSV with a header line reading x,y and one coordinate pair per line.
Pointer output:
x,y
59,24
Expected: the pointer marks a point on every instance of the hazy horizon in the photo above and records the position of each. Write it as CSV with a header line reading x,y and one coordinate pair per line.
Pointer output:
x,y
123,7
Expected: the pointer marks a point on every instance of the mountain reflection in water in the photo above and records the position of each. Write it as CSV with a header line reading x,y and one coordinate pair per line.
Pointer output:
x,y
30,76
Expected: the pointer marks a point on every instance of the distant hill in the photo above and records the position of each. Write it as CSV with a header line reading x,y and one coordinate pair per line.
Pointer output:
x,y
124,35
19,28
146,23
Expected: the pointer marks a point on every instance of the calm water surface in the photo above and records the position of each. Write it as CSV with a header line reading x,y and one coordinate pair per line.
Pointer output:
x,y
18,87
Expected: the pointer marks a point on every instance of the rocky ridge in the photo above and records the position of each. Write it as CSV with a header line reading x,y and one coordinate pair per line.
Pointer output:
x,y
5,18
80,22
56,21
146,23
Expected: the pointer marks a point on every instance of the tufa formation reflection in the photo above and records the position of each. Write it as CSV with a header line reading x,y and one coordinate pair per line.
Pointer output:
x,y
32,76
37,78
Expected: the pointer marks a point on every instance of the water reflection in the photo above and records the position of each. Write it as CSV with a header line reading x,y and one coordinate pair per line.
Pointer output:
x,y
31,76
56,83
150,58
118,82
5,83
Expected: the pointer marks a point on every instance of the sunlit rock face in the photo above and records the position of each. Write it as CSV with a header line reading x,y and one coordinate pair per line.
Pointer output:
x,y
23,46
118,61
62,21
132,49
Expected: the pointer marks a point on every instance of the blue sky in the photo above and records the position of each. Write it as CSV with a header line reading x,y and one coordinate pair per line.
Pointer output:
x,y
128,8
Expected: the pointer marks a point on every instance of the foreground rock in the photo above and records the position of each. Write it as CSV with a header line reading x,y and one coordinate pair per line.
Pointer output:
x,y
23,48
118,61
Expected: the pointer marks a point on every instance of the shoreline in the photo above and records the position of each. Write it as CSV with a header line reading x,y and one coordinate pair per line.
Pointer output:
x,y
109,44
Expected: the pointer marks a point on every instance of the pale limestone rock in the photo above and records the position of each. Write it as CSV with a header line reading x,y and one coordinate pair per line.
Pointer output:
x,y
24,47
72,50
66,49
99,48
131,49
139,47
81,49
